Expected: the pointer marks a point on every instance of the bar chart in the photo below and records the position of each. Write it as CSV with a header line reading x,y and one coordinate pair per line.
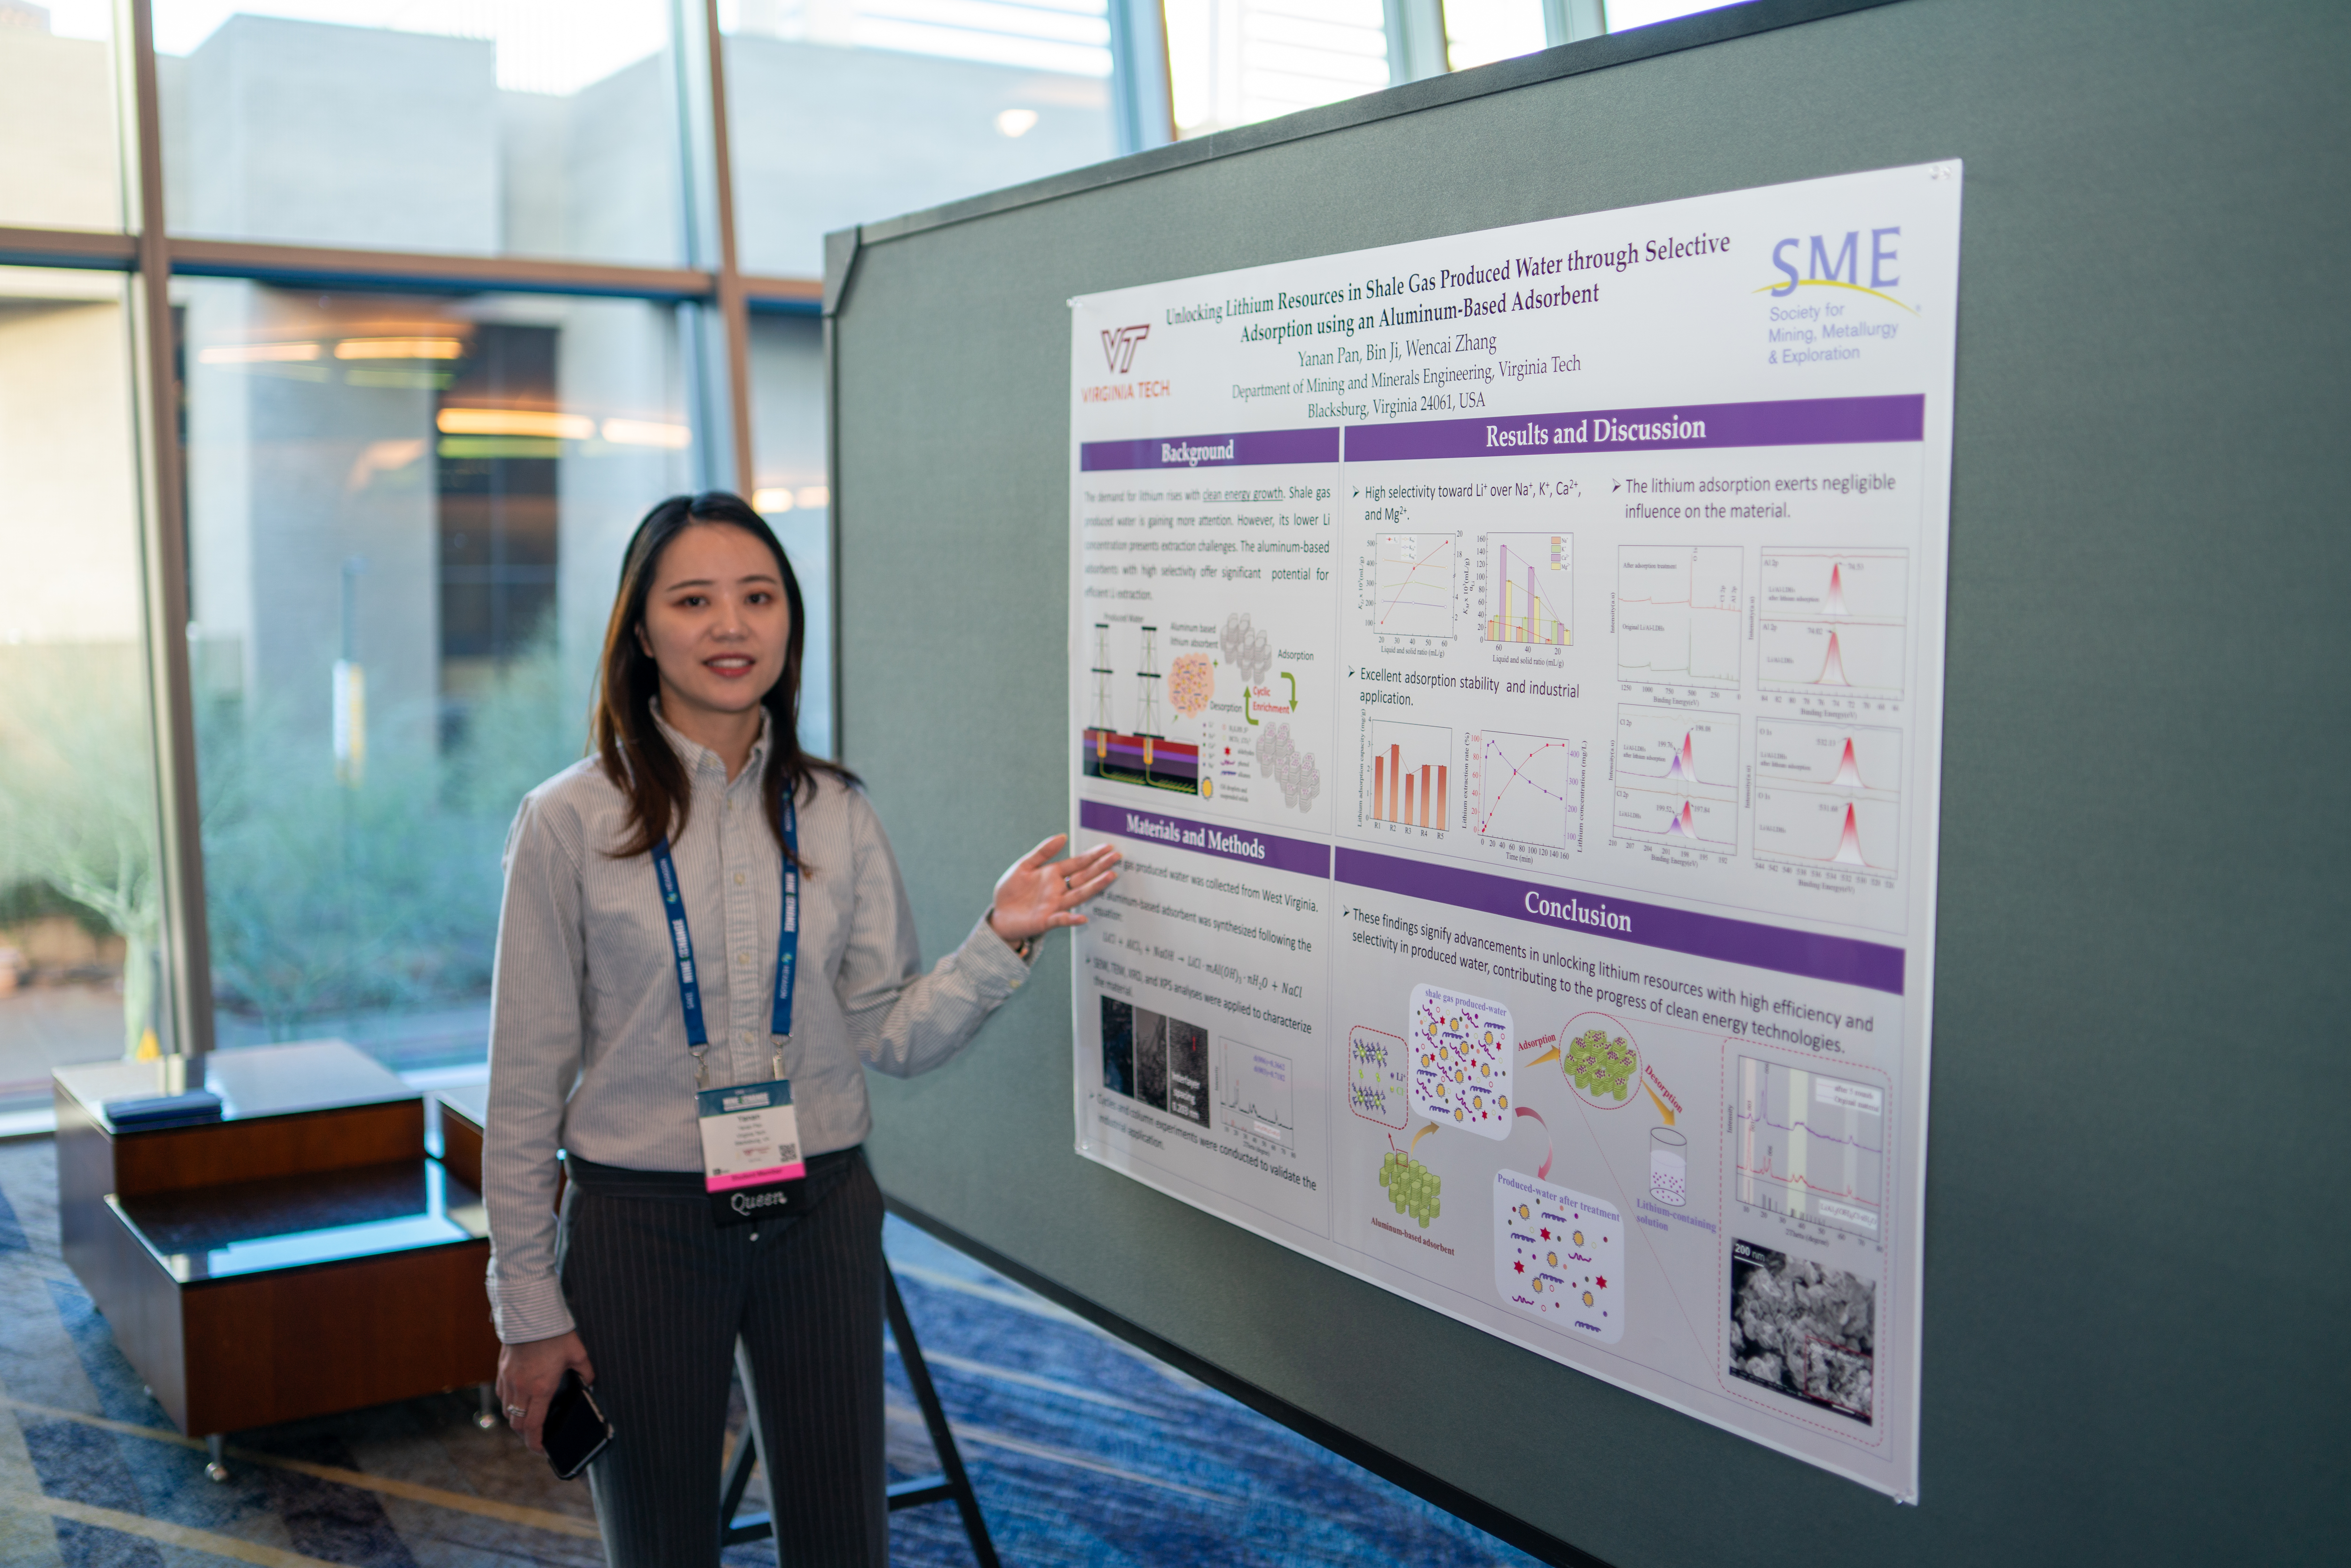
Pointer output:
x,y
1409,774
1529,589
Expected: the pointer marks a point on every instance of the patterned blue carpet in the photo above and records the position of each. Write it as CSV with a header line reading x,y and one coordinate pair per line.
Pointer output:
x,y
1082,1451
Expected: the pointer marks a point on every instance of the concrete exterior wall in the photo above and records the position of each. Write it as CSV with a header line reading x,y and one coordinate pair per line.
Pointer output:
x,y
291,471
828,137
60,159
306,133
69,481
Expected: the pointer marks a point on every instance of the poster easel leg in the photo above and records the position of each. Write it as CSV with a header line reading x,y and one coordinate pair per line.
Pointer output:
x,y
952,1484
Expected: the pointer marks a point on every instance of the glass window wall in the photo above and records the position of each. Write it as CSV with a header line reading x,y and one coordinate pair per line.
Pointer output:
x,y
62,166
844,111
1233,62
81,906
403,512
787,438
1626,13
405,520
1479,32
537,128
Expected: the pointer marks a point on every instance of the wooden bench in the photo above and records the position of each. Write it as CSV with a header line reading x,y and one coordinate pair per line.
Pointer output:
x,y
301,1256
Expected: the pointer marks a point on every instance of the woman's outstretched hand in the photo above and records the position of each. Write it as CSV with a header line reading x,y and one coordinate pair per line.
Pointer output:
x,y
1039,892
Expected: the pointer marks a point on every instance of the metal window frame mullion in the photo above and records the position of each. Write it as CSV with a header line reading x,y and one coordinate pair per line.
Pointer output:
x,y
147,251
734,308
186,937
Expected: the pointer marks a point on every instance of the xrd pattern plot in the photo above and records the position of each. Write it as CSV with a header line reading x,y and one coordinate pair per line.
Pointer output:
x,y
1833,622
1407,775
1676,778
1256,1095
1677,614
1811,1147
1529,589
1828,794
1525,788
1412,586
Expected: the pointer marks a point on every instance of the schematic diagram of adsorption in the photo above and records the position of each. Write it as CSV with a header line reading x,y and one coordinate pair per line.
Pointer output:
x,y
1461,1061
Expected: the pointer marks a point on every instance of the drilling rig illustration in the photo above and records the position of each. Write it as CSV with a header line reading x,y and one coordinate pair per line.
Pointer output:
x,y
1143,754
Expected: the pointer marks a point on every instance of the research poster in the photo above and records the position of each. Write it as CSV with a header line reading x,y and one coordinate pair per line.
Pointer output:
x,y
1512,665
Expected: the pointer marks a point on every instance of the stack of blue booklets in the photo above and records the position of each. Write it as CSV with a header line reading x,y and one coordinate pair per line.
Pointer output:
x,y
144,1112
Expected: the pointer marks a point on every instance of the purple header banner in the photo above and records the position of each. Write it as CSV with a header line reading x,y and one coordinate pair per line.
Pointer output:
x,y
1244,844
1800,421
1873,964
1240,449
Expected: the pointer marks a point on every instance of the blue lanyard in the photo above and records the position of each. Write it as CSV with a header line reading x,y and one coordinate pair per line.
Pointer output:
x,y
787,943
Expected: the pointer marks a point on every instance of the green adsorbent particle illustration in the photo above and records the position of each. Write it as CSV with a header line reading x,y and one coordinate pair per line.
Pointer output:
x,y
1600,1065
1411,1186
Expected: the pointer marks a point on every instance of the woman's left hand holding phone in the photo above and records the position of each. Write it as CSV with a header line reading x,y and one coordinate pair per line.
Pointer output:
x,y
528,1375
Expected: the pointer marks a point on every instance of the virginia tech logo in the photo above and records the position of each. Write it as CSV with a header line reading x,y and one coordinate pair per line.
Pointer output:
x,y
1119,346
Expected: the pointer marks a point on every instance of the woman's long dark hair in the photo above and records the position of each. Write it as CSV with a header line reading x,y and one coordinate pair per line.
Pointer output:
x,y
628,743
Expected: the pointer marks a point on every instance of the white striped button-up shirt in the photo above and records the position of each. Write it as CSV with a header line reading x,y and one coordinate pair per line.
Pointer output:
x,y
587,1046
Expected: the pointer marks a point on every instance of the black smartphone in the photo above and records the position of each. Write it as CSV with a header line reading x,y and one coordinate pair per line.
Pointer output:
x,y
575,1431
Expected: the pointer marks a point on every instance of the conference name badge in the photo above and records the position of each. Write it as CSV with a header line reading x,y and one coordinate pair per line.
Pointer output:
x,y
751,1161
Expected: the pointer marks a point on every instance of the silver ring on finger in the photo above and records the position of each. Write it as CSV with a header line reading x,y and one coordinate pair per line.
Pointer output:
x,y
516,1412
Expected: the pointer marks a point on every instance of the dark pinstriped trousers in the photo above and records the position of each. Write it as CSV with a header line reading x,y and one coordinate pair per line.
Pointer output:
x,y
665,1300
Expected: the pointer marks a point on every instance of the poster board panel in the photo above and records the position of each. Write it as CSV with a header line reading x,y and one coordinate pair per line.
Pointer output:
x,y
1511,666
2136,980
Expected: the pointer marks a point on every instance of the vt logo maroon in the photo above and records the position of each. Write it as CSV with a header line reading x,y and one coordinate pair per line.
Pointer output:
x,y
1119,346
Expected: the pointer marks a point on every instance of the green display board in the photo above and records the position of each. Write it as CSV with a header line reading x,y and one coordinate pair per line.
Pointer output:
x,y
2136,1075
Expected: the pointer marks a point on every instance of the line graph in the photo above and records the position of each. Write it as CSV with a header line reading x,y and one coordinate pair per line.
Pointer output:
x,y
1863,759
1681,753
1676,777
1411,586
1256,1095
1525,788
1810,1147
1860,585
1854,658
1682,822
1834,621
1677,614
1529,589
1828,794
1819,830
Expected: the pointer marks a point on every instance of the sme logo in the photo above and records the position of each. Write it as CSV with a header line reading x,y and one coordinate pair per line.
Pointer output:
x,y
1832,261
1119,344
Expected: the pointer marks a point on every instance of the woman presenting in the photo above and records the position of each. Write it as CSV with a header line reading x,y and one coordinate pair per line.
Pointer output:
x,y
700,906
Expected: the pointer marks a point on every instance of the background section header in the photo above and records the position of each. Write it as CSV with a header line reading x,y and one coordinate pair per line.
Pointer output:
x,y
1232,449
